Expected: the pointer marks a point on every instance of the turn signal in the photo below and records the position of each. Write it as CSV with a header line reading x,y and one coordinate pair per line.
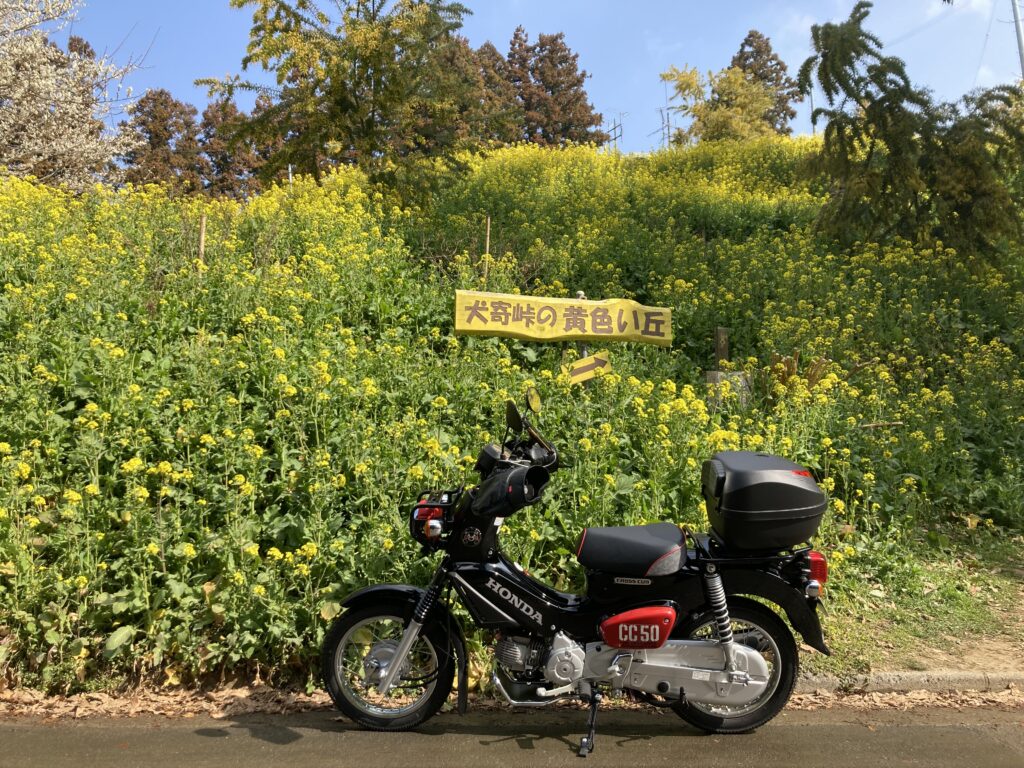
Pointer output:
x,y
819,567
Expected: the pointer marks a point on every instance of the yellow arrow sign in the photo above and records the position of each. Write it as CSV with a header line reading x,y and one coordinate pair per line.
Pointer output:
x,y
587,368
550,319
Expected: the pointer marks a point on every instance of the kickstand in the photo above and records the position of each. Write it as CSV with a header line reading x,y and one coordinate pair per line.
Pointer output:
x,y
587,742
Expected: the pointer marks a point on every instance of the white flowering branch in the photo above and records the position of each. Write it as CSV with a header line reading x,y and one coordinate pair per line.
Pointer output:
x,y
54,104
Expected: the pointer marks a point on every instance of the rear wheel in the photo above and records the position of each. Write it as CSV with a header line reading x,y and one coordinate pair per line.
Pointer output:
x,y
359,648
756,627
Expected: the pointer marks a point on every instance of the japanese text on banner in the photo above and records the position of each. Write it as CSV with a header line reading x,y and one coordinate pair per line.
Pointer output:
x,y
550,319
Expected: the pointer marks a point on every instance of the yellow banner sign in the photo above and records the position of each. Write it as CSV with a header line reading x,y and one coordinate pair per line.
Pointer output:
x,y
547,319
587,368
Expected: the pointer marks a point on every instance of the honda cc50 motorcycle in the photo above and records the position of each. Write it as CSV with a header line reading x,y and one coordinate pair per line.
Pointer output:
x,y
668,616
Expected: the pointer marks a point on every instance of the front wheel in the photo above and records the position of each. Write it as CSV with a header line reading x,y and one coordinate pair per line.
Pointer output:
x,y
754,626
361,645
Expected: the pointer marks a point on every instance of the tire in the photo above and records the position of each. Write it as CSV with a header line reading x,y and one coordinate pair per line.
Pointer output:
x,y
363,636
755,626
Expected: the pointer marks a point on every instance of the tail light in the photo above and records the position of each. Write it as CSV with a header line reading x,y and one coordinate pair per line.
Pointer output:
x,y
819,567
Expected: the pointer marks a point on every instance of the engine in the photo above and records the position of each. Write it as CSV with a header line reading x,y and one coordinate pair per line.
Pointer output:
x,y
565,661
519,654
562,662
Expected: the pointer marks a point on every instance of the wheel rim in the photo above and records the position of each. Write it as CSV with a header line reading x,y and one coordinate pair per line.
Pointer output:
x,y
363,656
752,635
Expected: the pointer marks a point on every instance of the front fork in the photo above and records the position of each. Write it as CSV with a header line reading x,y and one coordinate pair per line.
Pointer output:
x,y
412,630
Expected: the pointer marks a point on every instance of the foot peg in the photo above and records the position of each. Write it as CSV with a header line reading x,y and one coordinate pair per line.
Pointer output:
x,y
587,742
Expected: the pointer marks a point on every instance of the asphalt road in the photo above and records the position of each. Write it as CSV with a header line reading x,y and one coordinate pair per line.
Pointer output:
x,y
978,738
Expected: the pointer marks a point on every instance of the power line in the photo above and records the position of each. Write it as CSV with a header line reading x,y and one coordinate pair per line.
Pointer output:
x,y
921,28
984,47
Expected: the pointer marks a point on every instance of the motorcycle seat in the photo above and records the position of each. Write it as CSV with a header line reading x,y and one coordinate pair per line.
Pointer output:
x,y
658,549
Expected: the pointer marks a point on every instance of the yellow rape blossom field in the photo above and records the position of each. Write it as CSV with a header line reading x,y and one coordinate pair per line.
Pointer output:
x,y
201,454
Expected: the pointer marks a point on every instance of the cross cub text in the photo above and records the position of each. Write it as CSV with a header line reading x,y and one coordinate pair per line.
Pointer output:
x,y
668,615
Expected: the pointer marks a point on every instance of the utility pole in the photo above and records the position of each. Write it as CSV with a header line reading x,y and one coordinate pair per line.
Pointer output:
x,y
1020,35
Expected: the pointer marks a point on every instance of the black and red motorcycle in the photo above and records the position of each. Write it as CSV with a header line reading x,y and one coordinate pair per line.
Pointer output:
x,y
674,618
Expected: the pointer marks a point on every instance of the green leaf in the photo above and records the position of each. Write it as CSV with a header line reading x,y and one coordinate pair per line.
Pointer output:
x,y
121,636
330,610
177,588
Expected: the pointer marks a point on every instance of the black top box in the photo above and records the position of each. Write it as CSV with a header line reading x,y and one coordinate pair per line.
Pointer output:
x,y
757,501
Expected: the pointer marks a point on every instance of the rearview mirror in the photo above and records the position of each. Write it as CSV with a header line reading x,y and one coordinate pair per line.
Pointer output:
x,y
512,417
533,400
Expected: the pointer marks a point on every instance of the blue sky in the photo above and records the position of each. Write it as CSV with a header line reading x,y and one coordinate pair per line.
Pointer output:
x,y
622,45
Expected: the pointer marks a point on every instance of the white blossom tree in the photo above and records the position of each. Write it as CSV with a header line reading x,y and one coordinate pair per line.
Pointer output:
x,y
54,103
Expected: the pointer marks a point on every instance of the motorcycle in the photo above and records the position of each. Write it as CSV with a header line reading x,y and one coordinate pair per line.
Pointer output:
x,y
673,618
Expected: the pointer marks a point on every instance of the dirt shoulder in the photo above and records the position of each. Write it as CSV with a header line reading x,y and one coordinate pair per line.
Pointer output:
x,y
229,703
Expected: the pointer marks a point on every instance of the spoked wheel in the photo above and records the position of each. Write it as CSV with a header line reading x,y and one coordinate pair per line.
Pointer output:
x,y
359,649
758,628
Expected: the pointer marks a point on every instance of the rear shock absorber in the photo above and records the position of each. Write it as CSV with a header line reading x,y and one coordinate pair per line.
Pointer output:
x,y
716,599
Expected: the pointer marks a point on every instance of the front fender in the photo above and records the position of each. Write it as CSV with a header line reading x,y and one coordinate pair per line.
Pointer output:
x,y
440,614
800,610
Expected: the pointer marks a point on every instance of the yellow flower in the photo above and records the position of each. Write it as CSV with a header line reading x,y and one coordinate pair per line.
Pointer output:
x,y
3,513
534,535
133,466
238,578
361,468
22,470
388,545
259,590
439,402
188,551
370,387
274,553
152,549
139,493
308,550
32,521
81,582
39,501
5,449
92,489
207,440
253,550
72,497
